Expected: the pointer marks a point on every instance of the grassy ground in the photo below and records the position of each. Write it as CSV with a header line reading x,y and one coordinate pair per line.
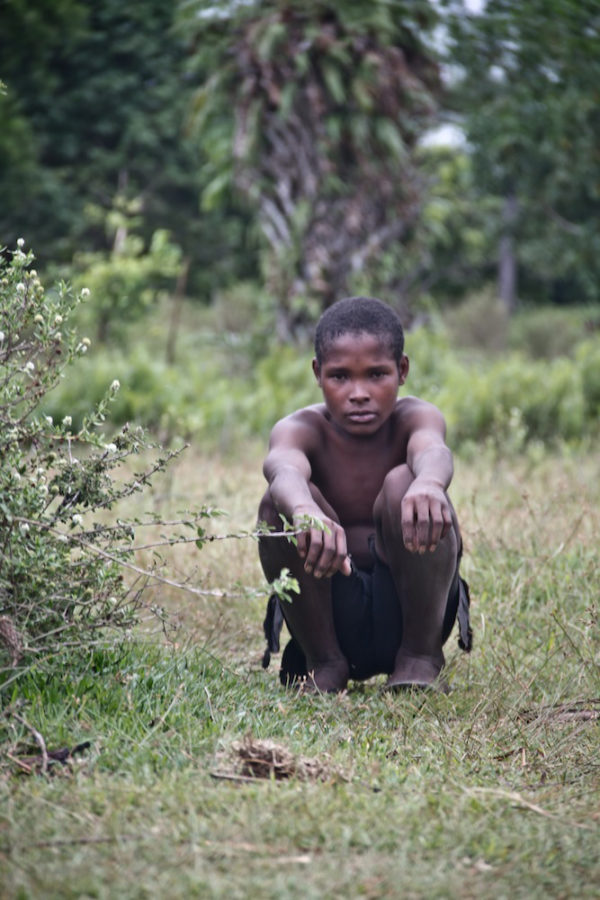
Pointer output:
x,y
491,791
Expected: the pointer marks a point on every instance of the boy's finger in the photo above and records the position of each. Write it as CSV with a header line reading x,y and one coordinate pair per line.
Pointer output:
x,y
440,526
408,525
302,544
323,564
346,567
423,526
437,525
341,551
320,552
315,538
334,552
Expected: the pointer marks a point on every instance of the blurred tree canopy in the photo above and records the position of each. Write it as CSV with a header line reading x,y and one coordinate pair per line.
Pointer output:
x,y
526,83
280,144
93,120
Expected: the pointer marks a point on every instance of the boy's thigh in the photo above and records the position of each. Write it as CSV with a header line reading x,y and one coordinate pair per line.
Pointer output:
x,y
368,618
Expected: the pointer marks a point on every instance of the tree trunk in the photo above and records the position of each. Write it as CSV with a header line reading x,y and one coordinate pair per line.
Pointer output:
x,y
176,306
507,260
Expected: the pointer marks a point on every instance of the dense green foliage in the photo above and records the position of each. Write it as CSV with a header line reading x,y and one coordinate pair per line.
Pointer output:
x,y
528,91
281,143
94,123
541,382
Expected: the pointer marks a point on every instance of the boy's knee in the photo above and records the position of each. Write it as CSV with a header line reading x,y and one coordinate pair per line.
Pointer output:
x,y
267,511
397,482
395,485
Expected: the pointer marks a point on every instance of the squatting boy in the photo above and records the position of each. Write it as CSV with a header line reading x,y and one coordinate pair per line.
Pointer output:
x,y
379,584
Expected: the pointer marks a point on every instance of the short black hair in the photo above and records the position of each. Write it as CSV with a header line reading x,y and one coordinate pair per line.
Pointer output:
x,y
358,315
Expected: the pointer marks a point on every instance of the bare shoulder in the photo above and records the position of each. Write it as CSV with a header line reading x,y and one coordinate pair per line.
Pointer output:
x,y
294,442
301,429
413,414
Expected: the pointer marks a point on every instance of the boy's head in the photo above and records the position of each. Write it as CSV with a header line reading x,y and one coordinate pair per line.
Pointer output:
x,y
360,315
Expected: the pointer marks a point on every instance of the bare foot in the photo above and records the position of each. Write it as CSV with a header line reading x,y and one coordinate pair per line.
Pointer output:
x,y
328,678
417,672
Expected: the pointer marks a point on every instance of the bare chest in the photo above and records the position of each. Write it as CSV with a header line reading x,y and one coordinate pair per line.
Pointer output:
x,y
351,474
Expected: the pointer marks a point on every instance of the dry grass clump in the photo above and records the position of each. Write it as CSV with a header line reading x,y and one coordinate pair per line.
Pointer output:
x,y
255,758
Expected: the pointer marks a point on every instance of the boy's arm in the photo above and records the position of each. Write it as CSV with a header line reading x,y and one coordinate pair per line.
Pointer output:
x,y
287,469
426,510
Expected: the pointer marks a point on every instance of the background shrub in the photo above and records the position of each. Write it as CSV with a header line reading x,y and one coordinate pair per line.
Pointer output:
x,y
223,389
61,581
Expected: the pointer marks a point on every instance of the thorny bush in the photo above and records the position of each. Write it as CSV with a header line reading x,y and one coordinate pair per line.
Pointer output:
x,y
61,581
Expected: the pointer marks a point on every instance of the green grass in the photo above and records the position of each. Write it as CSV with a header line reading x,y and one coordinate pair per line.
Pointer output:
x,y
491,791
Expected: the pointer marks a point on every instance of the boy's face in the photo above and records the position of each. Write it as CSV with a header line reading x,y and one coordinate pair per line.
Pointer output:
x,y
359,378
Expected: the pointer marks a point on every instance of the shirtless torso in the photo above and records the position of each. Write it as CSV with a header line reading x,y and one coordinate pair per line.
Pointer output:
x,y
349,471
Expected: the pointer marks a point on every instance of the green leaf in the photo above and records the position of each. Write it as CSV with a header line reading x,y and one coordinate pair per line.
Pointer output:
x,y
334,82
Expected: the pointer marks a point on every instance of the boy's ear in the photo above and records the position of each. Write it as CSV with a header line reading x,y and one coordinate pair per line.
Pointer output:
x,y
317,370
403,367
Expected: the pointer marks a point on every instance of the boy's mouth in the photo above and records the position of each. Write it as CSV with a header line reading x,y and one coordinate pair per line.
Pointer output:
x,y
363,415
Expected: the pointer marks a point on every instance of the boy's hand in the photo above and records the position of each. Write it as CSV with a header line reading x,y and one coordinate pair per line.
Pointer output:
x,y
323,549
426,516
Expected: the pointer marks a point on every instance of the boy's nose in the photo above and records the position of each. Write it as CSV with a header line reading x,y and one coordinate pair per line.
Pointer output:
x,y
359,391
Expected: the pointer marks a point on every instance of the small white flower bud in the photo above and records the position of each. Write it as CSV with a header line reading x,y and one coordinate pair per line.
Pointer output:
x,y
20,288
85,292
77,519
49,420
23,527
20,242
112,448
38,319
29,366
2,336
58,319
86,342
67,421
115,385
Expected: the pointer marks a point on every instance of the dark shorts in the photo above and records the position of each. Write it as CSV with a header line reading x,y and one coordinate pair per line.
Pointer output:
x,y
368,622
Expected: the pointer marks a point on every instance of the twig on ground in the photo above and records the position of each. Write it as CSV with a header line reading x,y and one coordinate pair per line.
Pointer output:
x,y
161,720
518,800
38,739
574,710
19,762
230,776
